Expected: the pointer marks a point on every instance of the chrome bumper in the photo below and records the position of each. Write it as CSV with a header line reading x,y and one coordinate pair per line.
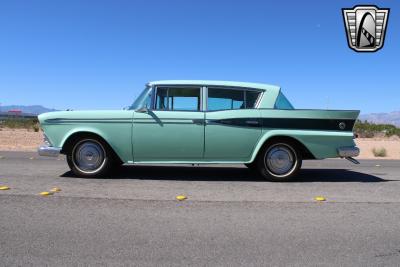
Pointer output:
x,y
49,151
348,151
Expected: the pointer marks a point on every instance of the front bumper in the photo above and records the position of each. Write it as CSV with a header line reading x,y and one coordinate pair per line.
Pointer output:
x,y
49,151
348,151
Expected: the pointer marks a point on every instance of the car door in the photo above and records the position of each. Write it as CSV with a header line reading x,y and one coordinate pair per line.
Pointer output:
x,y
173,129
233,125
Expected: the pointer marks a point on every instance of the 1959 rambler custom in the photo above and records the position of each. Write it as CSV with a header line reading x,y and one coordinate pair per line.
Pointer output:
x,y
201,122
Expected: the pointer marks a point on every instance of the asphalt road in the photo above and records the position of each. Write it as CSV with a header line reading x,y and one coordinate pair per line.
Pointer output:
x,y
231,217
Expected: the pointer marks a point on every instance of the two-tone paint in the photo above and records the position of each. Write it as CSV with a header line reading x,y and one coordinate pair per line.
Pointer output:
x,y
225,136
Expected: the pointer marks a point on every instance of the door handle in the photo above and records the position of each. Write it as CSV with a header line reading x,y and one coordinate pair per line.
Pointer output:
x,y
198,121
252,122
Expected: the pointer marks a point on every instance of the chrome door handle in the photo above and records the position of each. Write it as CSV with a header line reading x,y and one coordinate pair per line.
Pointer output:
x,y
198,121
252,122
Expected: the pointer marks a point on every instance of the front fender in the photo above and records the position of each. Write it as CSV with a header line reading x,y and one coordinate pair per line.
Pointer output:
x,y
119,141
81,130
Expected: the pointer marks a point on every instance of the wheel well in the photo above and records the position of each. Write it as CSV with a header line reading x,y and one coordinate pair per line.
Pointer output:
x,y
303,150
76,136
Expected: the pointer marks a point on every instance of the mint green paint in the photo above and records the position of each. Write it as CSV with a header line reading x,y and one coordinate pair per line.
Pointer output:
x,y
172,137
167,135
322,144
224,142
310,114
116,132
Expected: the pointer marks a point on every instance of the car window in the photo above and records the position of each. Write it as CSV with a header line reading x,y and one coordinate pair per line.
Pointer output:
x,y
282,102
251,98
143,100
169,98
222,99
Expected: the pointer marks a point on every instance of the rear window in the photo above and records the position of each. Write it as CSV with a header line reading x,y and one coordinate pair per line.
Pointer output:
x,y
282,102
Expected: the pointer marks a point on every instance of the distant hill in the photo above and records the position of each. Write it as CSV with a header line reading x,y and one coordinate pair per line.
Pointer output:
x,y
386,118
34,109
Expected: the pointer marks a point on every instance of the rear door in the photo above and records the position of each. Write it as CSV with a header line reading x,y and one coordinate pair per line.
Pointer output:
x,y
233,125
173,130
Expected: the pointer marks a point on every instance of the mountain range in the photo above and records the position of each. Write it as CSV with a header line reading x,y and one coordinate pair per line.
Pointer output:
x,y
34,109
384,118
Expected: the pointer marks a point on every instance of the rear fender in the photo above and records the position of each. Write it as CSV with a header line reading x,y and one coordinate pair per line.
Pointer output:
x,y
321,144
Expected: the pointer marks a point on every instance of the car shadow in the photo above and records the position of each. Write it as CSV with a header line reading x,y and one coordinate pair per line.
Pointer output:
x,y
231,174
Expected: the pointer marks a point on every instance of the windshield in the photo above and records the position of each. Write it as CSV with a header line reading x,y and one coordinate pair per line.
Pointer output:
x,y
282,102
143,100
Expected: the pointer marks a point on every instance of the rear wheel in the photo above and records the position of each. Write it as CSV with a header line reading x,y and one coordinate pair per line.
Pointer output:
x,y
279,161
89,157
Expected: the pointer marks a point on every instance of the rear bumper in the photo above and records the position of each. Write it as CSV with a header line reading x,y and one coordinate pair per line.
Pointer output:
x,y
49,151
348,151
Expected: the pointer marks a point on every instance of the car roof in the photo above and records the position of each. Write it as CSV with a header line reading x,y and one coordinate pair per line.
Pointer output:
x,y
261,86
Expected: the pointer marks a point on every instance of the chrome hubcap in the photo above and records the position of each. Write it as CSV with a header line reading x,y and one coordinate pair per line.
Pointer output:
x,y
89,156
279,160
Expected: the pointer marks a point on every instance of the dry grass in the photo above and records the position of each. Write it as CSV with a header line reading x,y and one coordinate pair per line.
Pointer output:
x,y
18,123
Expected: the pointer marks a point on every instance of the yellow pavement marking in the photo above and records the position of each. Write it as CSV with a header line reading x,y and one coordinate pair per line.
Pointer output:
x,y
45,193
55,190
320,198
181,197
4,188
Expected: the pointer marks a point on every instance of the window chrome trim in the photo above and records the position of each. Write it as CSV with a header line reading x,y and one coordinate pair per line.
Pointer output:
x,y
256,104
156,87
205,95
258,101
153,98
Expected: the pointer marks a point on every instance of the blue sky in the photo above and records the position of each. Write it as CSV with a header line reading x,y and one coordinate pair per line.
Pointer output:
x,y
99,54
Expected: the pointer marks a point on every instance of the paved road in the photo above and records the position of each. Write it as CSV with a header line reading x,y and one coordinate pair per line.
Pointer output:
x,y
231,217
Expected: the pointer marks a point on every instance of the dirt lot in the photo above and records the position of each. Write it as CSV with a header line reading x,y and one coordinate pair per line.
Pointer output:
x,y
19,139
24,140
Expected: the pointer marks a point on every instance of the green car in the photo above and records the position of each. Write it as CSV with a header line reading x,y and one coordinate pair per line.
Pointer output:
x,y
201,122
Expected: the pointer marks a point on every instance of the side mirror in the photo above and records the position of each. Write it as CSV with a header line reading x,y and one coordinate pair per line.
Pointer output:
x,y
142,110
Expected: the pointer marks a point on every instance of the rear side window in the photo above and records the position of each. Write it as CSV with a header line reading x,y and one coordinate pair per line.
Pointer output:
x,y
282,102
223,99
169,98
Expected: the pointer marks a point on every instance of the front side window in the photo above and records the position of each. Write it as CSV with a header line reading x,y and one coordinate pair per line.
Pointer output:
x,y
223,99
143,100
179,98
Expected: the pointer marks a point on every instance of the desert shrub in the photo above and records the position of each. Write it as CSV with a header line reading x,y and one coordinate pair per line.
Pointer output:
x,y
369,130
36,127
379,152
16,123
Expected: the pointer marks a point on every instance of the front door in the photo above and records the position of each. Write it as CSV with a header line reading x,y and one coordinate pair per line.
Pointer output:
x,y
173,130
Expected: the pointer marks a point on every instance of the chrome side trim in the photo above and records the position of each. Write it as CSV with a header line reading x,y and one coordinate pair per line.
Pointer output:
x,y
49,151
348,151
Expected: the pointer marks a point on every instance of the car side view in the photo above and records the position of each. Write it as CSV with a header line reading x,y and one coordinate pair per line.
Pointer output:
x,y
201,122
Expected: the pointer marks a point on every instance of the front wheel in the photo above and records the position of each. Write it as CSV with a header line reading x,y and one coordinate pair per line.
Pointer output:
x,y
89,157
279,162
